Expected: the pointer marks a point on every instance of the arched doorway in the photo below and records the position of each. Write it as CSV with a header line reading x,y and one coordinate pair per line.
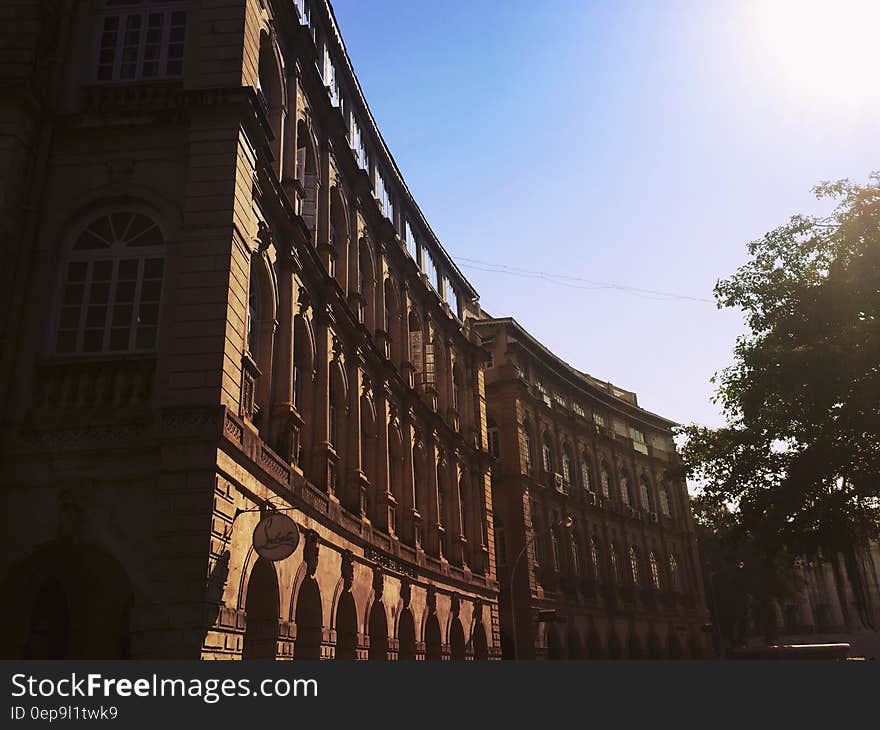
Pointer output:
x,y
406,636
66,601
378,632
433,640
309,622
456,640
261,607
481,646
346,627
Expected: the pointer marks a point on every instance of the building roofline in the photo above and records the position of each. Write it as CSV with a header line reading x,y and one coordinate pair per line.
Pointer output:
x,y
583,380
404,188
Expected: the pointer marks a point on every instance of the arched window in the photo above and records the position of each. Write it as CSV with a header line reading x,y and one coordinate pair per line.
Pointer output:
x,y
307,175
605,480
624,489
494,438
416,348
586,476
338,238
664,501
647,502
527,450
441,495
595,559
112,286
634,564
554,544
392,323
575,555
500,542
566,470
615,567
655,572
674,575
139,40
547,455
366,282
271,95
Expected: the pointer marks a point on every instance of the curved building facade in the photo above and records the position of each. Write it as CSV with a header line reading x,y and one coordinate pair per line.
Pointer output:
x,y
595,544
223,302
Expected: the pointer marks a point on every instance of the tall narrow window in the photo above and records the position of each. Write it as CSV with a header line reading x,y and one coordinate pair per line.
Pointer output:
x,y
575,557
655,572
494,439
547,456
634,564
664,501
615,567
554,544
594,558
527,448
674,575
112,287
605,479
139,40
585,473
624,489
566,471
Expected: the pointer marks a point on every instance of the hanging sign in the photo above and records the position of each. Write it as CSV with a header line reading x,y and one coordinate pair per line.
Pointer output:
x,y
276,537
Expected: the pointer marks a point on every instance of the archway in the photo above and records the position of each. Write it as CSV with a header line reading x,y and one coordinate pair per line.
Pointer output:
x,y
456,640
66,601
378,632
406,636
346,627
309,622
481,646
433,640
261,607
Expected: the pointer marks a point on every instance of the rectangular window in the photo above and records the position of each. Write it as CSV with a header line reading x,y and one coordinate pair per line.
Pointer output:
x,y
411,244
140,44
494,442
638,440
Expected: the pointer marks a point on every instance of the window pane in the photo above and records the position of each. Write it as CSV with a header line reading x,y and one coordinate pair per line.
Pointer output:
x,y
130,46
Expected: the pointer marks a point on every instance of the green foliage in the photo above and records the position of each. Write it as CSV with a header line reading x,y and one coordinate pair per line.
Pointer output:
x,y
798,460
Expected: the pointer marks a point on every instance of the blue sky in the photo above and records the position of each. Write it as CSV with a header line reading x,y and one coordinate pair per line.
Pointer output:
x,y
636,143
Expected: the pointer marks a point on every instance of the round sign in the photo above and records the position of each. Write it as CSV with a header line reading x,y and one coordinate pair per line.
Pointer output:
x,y
275,537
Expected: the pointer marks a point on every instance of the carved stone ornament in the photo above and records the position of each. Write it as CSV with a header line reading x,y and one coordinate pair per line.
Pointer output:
x,y
378,583
347,569
310,552
263,238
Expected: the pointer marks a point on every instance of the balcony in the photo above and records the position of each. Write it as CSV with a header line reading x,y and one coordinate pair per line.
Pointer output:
x,y
95,385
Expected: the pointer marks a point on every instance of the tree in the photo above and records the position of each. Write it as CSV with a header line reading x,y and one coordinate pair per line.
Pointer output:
x,y
798,459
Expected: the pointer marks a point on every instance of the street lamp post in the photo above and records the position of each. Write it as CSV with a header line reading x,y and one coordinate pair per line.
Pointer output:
x,y
565,522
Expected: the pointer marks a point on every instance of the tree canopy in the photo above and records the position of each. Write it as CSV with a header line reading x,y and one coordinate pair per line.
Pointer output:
x,y
797,463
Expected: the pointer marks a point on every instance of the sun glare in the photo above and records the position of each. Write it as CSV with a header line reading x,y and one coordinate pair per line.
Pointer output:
x,y
823,51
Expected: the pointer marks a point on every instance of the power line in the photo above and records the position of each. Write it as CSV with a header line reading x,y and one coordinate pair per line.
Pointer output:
x,y
574,282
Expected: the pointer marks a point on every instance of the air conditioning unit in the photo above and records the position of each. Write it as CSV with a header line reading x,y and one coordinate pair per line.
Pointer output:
x,y
591,498
653,517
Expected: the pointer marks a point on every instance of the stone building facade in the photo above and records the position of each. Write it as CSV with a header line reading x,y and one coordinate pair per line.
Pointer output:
x,y
220,300
623,579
